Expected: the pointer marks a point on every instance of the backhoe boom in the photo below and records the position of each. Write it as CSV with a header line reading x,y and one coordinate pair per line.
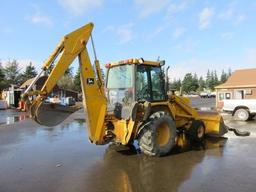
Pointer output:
x,y
71,46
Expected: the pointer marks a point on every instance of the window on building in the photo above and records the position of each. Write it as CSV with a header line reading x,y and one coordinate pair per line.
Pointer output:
x,y
248,92
239,94
227,96
221,96
224,95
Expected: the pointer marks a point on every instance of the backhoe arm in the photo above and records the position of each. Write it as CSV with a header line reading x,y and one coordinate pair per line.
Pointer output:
x,y
71,46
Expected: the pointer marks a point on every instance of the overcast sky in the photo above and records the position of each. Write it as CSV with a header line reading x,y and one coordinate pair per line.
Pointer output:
x,y
192,36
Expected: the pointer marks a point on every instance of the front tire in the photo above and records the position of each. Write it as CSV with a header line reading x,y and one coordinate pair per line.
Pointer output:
x,y
157,137
242,114
196,131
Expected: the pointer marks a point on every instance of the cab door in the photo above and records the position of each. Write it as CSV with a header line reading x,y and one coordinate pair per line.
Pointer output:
x,y
149,83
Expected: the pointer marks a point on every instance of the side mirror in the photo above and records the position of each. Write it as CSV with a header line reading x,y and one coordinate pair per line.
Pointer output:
x,y
162,63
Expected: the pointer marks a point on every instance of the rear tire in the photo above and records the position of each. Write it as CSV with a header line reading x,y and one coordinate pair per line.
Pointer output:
x,y
242,114
157,137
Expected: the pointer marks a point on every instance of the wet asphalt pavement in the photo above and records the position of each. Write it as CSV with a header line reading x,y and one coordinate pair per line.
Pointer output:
x,y
61,159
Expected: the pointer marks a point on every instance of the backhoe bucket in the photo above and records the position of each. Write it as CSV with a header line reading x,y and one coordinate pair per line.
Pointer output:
x,y
51,114
214,124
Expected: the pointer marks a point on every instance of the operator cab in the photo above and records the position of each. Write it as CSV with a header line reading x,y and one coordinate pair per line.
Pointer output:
x,y
132,81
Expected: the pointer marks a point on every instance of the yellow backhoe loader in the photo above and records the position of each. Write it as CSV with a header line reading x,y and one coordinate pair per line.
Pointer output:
x,y
132,104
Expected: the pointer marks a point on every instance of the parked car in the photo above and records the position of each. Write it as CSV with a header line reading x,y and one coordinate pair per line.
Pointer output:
x,y
241,109
204,95
193,94
212,94
68,101
208,94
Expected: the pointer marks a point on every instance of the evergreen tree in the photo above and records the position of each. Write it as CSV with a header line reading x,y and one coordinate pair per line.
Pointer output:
x,y
30,72
215,79
175,85
11,72
229,72
208,79
192,83
2,78
201,84
195,82
212,79
211,84
77,81
223,77
188,83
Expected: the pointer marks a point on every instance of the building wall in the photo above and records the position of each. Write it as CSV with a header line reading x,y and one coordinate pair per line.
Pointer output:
x,y
253,95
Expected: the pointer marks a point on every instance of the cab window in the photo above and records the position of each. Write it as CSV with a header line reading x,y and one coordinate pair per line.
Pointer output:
x,y
142,84
120,77
149,83
158,91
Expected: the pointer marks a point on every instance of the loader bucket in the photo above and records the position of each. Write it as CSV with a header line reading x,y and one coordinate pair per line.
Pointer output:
x,y
214,124
51,114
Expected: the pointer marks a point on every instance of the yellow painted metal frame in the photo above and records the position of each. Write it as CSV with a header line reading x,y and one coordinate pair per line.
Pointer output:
x,y
134,61
123,130
94,100
183,114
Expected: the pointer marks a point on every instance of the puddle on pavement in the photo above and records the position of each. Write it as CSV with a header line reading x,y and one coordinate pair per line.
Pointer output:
x,y
126,170
16,118
96,168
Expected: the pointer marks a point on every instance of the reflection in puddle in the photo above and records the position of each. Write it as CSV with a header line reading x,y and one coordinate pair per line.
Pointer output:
x,y
126,170
183,144
80,121
16,118
13,119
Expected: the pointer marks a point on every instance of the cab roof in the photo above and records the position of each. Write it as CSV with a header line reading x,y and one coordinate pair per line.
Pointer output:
x,y
136,61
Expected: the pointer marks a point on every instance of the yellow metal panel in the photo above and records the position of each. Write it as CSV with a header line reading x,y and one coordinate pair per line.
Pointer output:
x,y
183,113
69,48
94,100
153,63
120,130
213,122
129,131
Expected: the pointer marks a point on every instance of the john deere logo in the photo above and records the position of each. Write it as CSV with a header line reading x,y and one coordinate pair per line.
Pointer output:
x,y
90,81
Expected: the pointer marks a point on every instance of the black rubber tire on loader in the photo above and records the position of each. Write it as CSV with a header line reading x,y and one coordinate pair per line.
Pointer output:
x,y
196,131
150,140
